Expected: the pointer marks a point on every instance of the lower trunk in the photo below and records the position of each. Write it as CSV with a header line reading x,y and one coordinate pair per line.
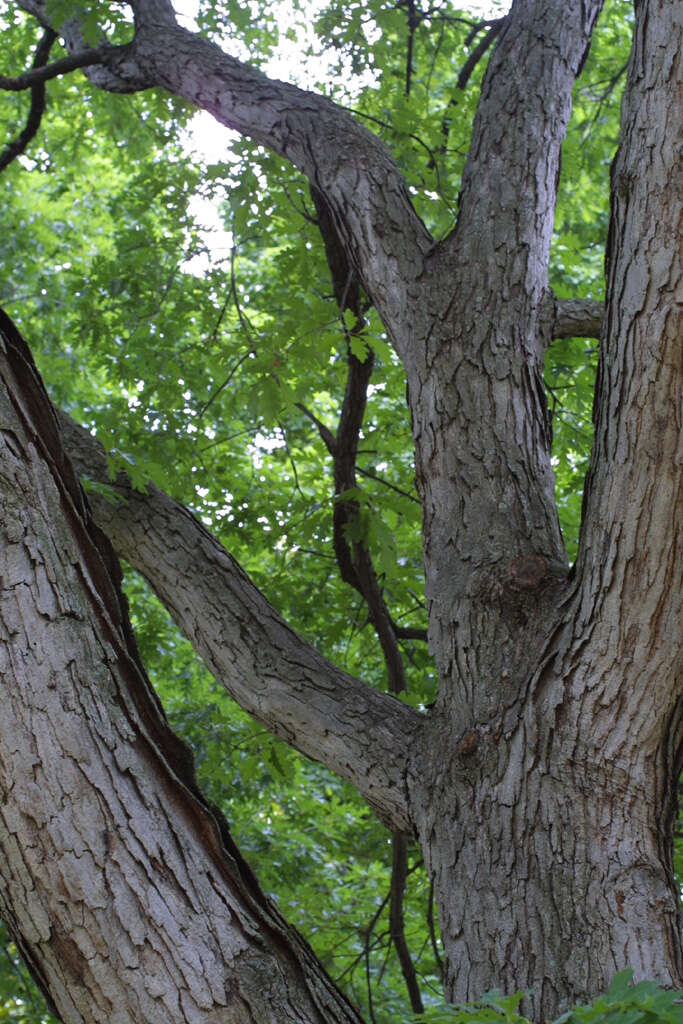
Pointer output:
x,y
120,884
552,871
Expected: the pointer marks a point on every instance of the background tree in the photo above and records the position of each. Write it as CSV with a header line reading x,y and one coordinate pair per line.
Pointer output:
x,y
179,370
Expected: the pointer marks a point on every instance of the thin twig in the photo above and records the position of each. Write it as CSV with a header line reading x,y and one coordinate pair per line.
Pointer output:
x,y
466,72
387,483
326,434
244,323
399,872
291,460
410,633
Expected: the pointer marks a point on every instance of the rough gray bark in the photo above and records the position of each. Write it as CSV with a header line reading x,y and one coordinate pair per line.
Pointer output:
x,y
126,894
270,671
541,784
578,318
565,784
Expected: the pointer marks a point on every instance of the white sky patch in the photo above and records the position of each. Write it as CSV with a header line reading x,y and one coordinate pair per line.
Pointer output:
x,y
263,443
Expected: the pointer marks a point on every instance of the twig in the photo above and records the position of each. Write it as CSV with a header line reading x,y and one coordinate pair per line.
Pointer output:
x,y
399,870
245,327
326,434
410,633
292,463
387,483
468,68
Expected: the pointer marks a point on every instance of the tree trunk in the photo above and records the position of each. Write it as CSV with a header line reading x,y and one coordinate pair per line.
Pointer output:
x,y
551,852
541,785
122,887
548,824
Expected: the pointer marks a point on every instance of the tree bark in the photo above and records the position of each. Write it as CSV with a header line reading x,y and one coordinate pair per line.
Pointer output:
x,y
565,790
122,886
541,785
277,677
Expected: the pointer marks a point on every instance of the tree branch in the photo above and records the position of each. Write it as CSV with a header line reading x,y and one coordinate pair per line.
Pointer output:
x,y
353,556
410,633
467,70
383,236
40,74
578,318
37,108
399,874
83,731
277,677
630,555
387,483
120,72
484,392
326,434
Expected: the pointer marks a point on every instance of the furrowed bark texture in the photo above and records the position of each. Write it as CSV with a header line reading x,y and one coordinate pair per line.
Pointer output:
x,y
631,561
124,890
540,784
270,671
481,427
562,846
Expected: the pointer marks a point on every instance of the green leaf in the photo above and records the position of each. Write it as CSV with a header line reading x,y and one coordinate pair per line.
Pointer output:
x,y
621,983
359,347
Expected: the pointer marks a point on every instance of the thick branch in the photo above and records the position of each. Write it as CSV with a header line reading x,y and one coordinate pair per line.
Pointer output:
x,y
630,555
480,418
384,238
578,318
38,75
122,886
271,672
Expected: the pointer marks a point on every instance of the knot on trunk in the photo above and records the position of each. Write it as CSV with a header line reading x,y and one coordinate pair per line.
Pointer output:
x,y
528,572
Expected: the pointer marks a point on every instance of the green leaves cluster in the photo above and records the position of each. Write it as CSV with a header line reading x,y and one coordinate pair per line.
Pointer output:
x,y
20,1001
624,1003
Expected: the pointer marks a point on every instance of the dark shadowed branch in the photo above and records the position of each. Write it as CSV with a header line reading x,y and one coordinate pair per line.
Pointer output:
x,y
13,149
41,73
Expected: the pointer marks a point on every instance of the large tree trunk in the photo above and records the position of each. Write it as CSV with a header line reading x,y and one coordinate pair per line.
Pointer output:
x,y
122,887
541,785
548,823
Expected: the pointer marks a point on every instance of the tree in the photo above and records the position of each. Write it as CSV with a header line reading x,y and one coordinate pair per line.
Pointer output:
x,y
541,784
